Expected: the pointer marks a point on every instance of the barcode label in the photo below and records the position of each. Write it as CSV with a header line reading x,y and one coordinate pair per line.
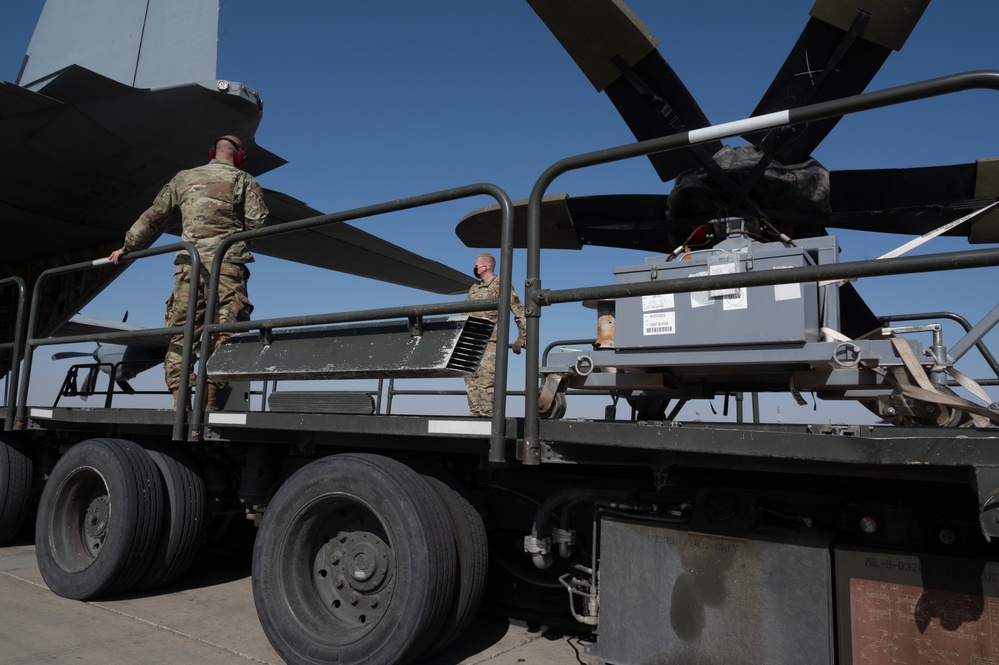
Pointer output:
x,y
659,323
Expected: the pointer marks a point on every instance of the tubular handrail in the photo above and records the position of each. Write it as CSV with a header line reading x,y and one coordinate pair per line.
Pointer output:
x,y
536,298
187,329
14,346
501,305
960,320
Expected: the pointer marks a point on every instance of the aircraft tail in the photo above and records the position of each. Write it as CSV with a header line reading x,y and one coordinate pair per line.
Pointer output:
x,y
144,44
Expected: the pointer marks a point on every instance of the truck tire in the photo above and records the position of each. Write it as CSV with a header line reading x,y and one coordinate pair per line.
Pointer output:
x,y
354,563
183,515
471,545
16,472
98,519
473,559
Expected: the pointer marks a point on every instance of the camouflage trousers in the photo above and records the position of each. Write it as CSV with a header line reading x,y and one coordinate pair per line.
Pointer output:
x,y
233,305
479,386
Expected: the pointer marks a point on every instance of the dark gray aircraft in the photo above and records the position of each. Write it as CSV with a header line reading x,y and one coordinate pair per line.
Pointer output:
x,y
112,99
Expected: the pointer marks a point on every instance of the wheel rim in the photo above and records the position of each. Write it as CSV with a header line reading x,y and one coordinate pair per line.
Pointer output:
x,y
339,569
80,519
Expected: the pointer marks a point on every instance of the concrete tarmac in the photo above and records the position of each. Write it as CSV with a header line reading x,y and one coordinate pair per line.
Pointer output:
x,y
207,618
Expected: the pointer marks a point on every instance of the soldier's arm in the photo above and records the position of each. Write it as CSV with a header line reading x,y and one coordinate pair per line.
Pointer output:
x,y
517,307
149,223
254,209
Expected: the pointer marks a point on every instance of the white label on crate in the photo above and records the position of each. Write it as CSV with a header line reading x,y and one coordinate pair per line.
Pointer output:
x,y
701,298
737,300
786,291
659,323
651,303
725,263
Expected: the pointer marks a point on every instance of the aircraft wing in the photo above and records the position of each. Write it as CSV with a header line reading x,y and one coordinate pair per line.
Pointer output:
x,y
80,324
345,248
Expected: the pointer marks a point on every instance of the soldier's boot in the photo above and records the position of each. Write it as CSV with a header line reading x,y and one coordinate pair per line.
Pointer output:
x,y
211,397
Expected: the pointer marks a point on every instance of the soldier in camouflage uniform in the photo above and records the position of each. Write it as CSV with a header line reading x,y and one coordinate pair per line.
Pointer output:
x,y
215,200
479,386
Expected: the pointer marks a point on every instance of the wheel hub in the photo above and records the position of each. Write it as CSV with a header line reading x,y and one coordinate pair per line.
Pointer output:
x,y
95,522
365,561
352,569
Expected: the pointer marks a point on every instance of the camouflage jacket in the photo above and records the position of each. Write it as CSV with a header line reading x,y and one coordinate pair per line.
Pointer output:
x,y
489,290
215,200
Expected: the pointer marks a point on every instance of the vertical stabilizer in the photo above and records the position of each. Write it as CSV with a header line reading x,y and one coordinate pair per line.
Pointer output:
x,y
141,43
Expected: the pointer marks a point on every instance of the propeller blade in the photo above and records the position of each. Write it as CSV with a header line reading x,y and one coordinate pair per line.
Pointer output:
x,y
654,102
90,382
624,62
839,52
62,355
917,200
613,220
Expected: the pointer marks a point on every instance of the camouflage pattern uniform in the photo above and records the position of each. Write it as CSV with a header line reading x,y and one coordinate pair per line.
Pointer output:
x,y
479,386
215,200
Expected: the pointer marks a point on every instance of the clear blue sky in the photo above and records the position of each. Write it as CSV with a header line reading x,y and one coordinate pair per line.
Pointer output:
x,y
380,100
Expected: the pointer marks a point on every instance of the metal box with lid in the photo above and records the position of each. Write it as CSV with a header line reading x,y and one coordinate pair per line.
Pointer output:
x,y
777,314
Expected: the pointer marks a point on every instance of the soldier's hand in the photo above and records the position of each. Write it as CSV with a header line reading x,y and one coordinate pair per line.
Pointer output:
x,y
517,346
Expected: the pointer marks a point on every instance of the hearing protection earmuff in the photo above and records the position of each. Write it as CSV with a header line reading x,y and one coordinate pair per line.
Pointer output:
x,y
241,155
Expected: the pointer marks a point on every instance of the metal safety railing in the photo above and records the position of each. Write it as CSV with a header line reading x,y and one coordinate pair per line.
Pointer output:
x,y
15,347
536,297
31,341
497,445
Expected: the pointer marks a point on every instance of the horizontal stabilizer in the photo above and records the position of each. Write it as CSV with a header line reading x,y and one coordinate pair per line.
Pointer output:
x,y
347,249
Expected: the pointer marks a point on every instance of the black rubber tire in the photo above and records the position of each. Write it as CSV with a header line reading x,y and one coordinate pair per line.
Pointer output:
x,y
98,519
372,526
473,558
471,545
183,514
16,473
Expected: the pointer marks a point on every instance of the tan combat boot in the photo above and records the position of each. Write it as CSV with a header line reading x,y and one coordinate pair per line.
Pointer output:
x,y
211,396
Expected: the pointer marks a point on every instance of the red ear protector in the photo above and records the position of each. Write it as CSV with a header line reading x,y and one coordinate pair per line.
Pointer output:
x,y
241,155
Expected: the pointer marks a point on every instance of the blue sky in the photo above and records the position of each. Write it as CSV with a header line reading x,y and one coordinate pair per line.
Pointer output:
x,y
382,100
